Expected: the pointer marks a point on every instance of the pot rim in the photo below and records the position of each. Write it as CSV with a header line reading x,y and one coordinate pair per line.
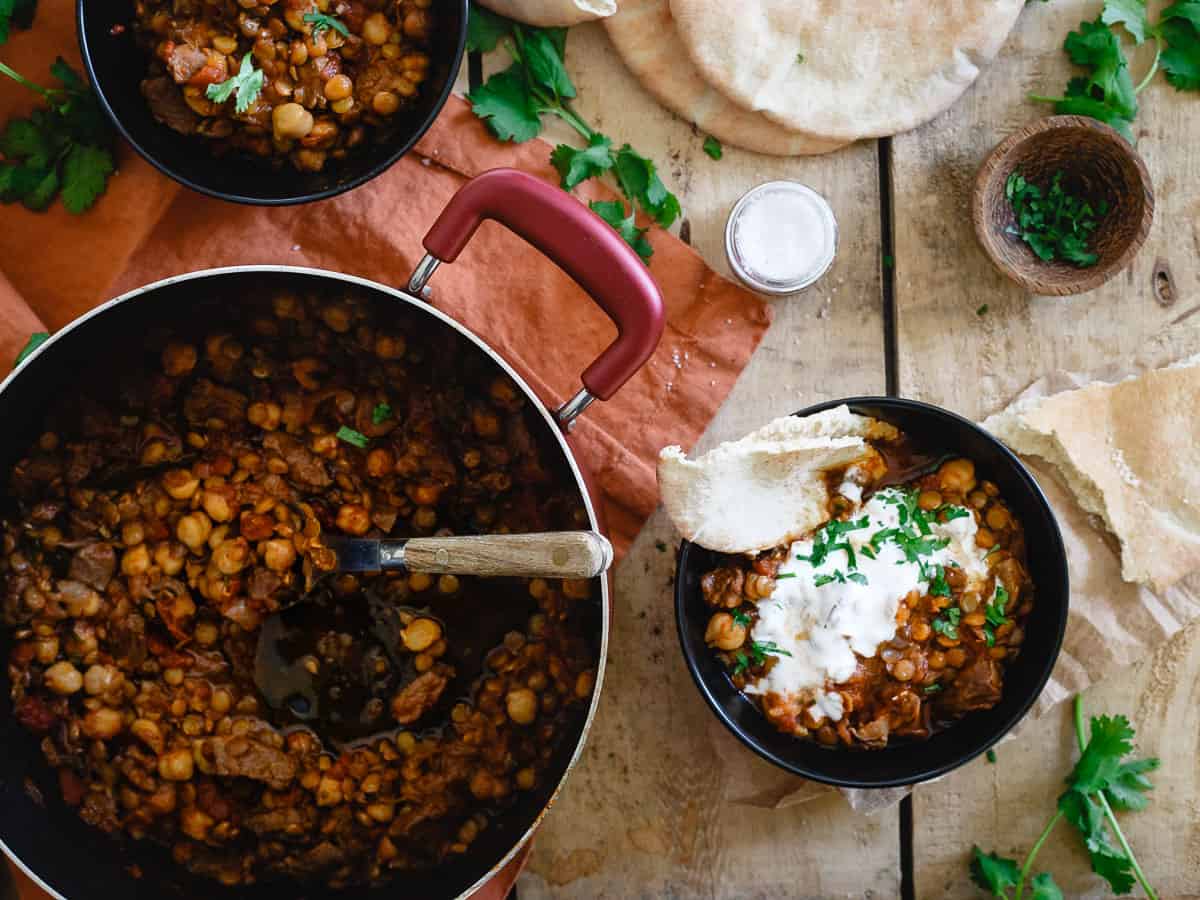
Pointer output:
x,y
540,405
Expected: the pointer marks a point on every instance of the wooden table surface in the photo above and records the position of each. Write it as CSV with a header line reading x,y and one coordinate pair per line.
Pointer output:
x,y
665,803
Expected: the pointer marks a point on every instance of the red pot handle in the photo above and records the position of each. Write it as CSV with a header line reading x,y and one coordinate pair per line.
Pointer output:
x,y
581,243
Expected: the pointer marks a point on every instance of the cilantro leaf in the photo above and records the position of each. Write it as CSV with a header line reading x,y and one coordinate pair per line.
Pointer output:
x,y
1127,789
35,186
485,29
950,513
323,22
947,622
84,175
1112,738
613,212
741,618
742,663
577,165
22,139
246,85
713,147
994,873
1130,13
350,436
504,103
639,181
1095,46
938,587
1044,888
35,340
381,413
15,12
1180,60
543,61
760,651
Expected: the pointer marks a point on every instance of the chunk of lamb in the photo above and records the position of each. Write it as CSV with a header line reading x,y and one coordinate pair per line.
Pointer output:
x,y
976,687
167,103
420,695
245,756
94,565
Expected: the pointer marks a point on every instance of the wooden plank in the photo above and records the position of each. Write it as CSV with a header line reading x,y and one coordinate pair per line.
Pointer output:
x,y
662,803
974,365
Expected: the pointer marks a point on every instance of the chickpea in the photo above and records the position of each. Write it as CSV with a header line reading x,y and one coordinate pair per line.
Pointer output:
x,y
132,533
178,359
338,87
278,555
919,631
103,723
291,121
329,792
353,518
149,734
100,679
385,103
193,530
903,670
448,584
421,634
584,683
63,678
230,557
419,581
218,503
379,462
176,765
135,561
997,518
957,476
724,633
206,633
264,415
45,649
526,778
343,106
522,705
225,44
929,500
376,29
322,136
985,538
956,657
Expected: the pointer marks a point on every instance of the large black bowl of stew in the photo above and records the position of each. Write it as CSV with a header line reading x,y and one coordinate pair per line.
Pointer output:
x,y
347,88
960,671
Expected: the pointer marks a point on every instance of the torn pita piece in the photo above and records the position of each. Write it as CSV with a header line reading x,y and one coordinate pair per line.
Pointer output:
x,y
769,487
1130,452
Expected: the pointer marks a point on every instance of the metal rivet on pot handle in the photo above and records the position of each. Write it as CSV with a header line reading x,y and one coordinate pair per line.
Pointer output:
x,y
582,245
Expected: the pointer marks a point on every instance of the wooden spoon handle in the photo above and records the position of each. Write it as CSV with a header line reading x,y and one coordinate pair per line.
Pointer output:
x,y
556,554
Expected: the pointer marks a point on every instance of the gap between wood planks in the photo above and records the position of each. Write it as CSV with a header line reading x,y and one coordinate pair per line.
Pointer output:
x,y
892,386
891,351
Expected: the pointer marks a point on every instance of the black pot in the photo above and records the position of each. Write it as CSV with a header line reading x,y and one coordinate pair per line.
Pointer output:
x,y
902,762
116,66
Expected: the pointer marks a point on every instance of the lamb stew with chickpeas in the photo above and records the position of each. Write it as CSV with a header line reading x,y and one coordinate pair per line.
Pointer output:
x,y
305,81
891,621
178,495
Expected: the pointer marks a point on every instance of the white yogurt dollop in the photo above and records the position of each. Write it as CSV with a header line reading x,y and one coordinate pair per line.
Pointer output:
x,y
825,614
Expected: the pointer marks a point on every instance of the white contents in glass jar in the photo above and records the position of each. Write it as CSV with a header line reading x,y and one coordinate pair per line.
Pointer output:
x,y
781,237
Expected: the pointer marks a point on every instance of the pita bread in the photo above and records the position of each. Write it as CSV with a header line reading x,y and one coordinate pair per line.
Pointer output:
x,y
1129,453
766,489
869,69
552,13
643,33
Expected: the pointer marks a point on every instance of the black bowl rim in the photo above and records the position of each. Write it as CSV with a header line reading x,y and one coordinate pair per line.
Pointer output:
x,y
1057,552
333,190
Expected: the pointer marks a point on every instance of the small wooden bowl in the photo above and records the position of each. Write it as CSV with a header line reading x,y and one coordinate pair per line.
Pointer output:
x,y
1096,163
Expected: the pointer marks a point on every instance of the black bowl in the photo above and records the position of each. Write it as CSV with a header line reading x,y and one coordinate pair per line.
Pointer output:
x,y
902,762
116,66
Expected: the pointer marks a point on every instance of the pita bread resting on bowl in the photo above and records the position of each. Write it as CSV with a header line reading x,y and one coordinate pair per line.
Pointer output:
x,y
768,488
552,13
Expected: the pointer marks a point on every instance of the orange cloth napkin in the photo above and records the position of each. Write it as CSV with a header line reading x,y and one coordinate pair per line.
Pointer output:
x,y
55,266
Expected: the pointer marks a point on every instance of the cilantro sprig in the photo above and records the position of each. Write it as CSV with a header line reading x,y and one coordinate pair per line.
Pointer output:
x,y
946,622
759,651
1054,223
1102,779
246,85
994,615
713,148
15,12
513,102
1106,91
323,22
63,149
350,436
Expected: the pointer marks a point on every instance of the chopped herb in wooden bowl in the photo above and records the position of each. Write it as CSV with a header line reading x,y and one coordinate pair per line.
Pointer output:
x,y
1055,223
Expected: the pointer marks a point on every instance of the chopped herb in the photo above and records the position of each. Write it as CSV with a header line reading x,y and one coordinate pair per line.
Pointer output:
x,y
800,57
783,575
759,651
888,261
660,546
868,551
247,84
62,149
938,587
932,688
381,413
742,618
947,622
857,577
991,757
982,311
950,513
994,613
1054,223
1101,780
713,147
742,663
822,580
350,436
16,12
323,22
35,340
